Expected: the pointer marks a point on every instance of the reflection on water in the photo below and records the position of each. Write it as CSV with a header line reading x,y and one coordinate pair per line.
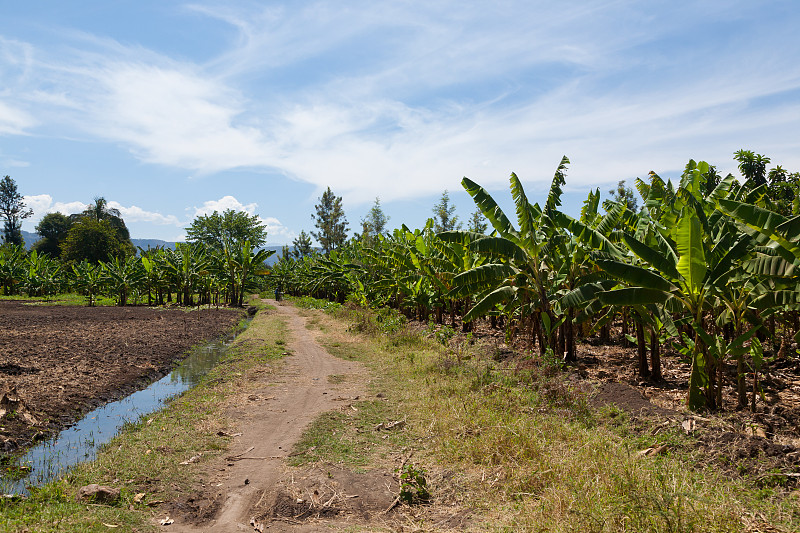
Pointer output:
x,y
50,459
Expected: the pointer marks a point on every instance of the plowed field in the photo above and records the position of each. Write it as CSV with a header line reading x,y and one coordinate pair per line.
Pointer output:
x,y
57,363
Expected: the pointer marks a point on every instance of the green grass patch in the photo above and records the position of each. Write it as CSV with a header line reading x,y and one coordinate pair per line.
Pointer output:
x,y
145,457
349,437
351,351
64,299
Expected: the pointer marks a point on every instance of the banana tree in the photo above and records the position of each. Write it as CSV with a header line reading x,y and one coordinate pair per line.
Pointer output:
x,y
682,273
122,276
243,265
12,267
184,266
521,271
89,280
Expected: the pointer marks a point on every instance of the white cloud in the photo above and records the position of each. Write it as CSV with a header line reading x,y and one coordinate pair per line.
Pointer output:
x,y
137,214
401,99
14,121
43,204
221,205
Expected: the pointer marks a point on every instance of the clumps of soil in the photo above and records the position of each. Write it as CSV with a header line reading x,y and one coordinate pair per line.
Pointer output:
x,y
197,509
326,492
331,495
750,455
627,398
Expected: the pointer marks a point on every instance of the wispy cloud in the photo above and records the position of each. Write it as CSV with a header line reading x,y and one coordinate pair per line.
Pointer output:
x,y
137,214
401,99
14,121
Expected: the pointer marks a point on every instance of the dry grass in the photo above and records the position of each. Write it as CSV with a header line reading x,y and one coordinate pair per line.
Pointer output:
x,y
526,453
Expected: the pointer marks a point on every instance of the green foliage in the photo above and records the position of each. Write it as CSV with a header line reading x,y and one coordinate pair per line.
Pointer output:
x,y
444,334
302,245
308,302
374,224
100,210
623,194
477,222
216,231
331,222
94,241
413,485
444,218
53,230
12,210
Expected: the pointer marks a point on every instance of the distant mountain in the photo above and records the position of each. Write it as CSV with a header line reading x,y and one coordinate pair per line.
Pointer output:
x,y
144,244
29,238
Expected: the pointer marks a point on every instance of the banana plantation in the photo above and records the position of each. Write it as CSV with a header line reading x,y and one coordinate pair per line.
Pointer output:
x,y
191,274
706,270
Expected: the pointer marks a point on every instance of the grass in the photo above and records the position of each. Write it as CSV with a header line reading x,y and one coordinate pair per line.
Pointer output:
x,y
530,454
348,437
63,299
145,457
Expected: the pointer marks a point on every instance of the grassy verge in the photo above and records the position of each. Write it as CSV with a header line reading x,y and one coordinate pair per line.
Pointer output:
x,y
63,299
145,458
528,452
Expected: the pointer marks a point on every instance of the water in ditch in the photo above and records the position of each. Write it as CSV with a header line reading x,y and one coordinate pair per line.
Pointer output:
x,y
50,459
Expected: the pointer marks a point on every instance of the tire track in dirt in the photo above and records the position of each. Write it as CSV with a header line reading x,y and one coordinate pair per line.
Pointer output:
x,y
298,393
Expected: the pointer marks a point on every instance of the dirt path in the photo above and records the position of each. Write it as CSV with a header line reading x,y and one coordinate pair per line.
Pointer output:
x,y
297,394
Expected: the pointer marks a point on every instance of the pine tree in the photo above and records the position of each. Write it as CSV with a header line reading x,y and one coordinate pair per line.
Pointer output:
x,y
331,222
302,245
374,223
443,219
477,222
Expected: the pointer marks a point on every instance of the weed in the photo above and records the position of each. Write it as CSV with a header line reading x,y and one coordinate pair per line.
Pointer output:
x,y
413,485
444,334
307,302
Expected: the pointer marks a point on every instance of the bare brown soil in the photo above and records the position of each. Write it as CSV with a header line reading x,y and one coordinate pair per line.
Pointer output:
x,y
58,362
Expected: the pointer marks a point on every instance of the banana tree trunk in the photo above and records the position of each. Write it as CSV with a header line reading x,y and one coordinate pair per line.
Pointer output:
x,y
569,334
641,350
655,356
625,342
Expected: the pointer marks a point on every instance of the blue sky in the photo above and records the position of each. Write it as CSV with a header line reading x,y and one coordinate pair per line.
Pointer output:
x,y
173,109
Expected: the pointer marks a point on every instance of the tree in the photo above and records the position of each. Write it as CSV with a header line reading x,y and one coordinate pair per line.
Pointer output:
x,y
753,167
376,219
12,209
94,241
231,228
302,245
100,210
443,219
331,222
623,193
53,229
477,222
